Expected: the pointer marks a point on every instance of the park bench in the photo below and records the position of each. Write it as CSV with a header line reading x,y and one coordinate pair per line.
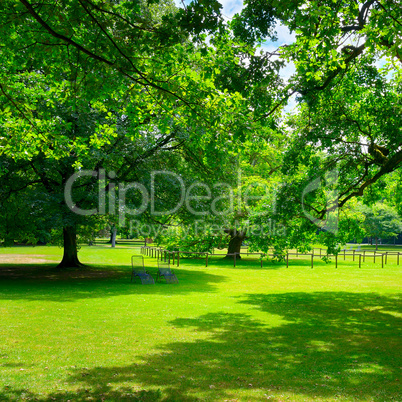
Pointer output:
x,y
138,271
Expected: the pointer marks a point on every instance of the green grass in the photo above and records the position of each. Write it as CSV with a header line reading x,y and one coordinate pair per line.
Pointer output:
x,y
224,333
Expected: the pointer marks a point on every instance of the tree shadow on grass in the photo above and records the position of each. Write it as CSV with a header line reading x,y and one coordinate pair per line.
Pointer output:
x,y
45,283
48,272
314,345
83,394
320,345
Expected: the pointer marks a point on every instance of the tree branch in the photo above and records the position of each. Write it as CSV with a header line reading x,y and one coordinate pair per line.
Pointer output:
x,y
23,114
101,59
393,163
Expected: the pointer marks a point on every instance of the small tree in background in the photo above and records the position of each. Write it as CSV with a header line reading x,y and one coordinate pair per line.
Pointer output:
x,y
381,221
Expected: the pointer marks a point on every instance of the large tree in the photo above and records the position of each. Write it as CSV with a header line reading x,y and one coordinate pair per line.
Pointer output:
x,y
88,85
347,82
222,205
351,132
133,72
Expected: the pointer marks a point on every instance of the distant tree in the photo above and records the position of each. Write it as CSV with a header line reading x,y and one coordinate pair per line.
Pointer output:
x,y
381,221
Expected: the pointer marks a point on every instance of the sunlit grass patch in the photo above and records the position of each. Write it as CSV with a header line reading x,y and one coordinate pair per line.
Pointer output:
x,y
223,333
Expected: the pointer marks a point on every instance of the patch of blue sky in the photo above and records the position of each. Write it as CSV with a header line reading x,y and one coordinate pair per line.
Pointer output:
x,y
229,7
284,37
387,64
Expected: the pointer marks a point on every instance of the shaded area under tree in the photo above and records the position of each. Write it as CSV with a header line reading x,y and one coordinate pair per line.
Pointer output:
x,y
324,345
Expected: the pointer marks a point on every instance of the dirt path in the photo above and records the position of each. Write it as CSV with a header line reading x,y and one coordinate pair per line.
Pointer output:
x,y
25,259
39,266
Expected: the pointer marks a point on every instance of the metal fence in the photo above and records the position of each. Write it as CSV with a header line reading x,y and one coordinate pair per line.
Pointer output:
x,y
174,256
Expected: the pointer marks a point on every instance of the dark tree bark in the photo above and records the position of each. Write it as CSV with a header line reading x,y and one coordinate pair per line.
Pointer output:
x,y
236,240
70,255
113,236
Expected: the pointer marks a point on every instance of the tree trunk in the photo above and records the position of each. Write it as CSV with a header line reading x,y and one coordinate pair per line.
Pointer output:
x,y
114,234
376,243
70,256
236,240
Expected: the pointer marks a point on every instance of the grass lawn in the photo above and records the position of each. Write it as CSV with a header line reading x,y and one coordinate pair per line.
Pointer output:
x,y
221,334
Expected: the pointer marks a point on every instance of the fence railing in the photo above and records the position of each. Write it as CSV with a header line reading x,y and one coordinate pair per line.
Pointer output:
x,y
173,256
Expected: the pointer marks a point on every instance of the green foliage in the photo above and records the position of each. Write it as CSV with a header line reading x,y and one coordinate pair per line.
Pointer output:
x,y
116,86
350,133
348,121
329,37
255,22
134,86
381,221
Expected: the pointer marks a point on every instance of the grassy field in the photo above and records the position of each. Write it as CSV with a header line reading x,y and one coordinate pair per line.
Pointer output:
x,y
221,334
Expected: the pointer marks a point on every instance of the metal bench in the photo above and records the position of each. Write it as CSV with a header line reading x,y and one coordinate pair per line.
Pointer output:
x,y
166,272
138,271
